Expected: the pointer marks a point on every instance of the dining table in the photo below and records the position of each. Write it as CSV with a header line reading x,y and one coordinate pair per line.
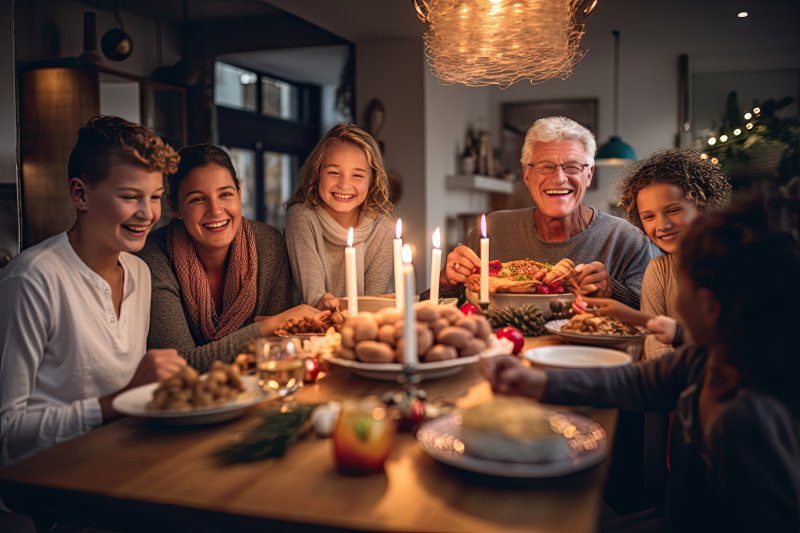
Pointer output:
x,y
133,475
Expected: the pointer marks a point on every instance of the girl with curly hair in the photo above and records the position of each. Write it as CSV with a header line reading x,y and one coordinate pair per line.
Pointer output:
x,y
343,184
661,195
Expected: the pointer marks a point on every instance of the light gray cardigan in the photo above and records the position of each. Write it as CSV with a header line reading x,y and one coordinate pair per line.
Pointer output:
x,y
318,261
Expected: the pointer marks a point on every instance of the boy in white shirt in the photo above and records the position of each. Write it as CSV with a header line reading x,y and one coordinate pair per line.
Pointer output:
x,y
75,307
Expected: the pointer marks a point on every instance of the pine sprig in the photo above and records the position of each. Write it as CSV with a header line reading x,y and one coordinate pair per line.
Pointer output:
x,y
276,432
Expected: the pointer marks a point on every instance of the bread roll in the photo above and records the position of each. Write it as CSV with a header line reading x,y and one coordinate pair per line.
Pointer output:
x,y
513,430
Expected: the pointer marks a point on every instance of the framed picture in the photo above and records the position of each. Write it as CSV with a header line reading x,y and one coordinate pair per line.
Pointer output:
x,y
518,117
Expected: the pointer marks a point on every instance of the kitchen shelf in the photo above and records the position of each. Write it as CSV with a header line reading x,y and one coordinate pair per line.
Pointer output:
x,y
476,182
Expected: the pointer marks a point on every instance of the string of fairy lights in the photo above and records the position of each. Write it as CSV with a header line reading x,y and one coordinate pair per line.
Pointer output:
x,y
719,142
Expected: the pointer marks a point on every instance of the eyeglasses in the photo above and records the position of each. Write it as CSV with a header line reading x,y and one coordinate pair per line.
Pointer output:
x,y
570,168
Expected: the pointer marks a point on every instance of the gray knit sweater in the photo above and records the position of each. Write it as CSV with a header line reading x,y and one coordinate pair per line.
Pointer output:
x,y
318,263
621,247
170,326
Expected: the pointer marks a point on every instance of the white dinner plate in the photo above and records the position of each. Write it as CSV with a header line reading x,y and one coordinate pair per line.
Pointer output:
x,y
391,371
566,356
441,439
555,327
134,403
542,301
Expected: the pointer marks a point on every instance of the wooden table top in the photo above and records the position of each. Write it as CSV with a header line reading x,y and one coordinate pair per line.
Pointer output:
x,y
129,475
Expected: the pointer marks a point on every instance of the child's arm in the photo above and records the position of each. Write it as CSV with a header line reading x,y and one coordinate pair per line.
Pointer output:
x,y
307,267
378,260
652,386
654,302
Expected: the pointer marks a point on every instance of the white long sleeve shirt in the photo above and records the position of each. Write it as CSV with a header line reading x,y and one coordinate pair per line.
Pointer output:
x,y
62,346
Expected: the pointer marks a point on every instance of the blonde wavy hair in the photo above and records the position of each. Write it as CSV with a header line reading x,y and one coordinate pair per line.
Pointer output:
x,y
703,182
379,192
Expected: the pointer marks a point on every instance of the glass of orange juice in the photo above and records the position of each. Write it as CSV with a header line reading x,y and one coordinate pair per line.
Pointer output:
x,y
363,436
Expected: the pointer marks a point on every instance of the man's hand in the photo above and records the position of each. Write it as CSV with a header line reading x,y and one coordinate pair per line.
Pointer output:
x,y
508,375
592,279
460,263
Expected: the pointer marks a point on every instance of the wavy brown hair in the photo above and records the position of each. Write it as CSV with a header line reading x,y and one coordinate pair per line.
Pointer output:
x,y
702,182
107,140
378,195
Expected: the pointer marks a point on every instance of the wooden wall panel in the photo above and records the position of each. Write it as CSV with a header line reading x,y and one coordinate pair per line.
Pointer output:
x,y
54,104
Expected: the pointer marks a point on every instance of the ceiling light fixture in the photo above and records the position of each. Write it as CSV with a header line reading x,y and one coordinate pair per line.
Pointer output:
x,y
742,14
499,42
615,152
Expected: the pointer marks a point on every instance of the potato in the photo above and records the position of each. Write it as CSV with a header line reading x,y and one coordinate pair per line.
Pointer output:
x,y
348,337
484,327
438,324
364,327
386,333
468,323
426,312
454,336
440,352
374,352
346,353
424,336
452,314
474,346
388,315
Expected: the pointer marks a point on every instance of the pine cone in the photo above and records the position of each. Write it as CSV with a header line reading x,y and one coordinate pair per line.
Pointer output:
x,y
526,318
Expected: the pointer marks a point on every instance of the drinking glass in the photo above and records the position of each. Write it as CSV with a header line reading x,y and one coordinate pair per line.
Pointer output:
x,y
280,367
363,436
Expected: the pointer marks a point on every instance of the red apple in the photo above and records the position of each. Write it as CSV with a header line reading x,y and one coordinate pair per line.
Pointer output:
x,y
514,335
469,309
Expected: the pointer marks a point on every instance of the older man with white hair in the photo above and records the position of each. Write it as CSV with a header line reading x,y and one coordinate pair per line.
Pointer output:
x,y
558,166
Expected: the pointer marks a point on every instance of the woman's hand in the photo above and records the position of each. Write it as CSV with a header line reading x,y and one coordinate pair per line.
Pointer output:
x,y
664,328
460,263
508,375
618,310
268,324
593,279
328,302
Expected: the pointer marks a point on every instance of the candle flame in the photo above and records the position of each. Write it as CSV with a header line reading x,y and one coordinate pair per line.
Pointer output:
x,y
398,228
483,226
350,237
406,254
437,239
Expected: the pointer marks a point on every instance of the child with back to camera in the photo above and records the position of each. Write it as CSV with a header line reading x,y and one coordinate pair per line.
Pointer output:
x,y
661,195
343,184
735,437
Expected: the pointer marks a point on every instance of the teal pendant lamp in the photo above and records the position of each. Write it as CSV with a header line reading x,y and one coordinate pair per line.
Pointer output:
x,y
615,152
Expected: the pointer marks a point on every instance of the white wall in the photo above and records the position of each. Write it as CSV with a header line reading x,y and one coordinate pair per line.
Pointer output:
x,y
450,110
652,38
393,72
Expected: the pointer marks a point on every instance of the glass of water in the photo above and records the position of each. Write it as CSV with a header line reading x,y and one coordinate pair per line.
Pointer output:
x,y
280,367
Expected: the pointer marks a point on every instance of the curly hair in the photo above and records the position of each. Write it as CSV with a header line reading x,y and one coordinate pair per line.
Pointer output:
x,y
703,182
106,140
379,194
716,250
198,156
